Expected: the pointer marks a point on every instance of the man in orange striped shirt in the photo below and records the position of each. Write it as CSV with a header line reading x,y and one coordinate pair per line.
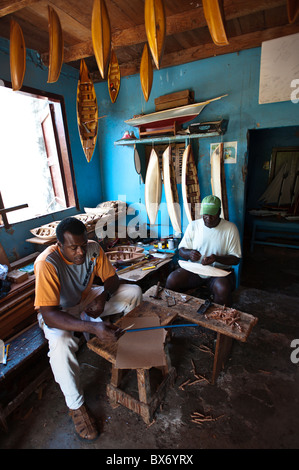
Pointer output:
x,y
68,302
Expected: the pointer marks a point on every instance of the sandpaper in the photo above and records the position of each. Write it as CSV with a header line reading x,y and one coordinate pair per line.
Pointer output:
x,y
141,349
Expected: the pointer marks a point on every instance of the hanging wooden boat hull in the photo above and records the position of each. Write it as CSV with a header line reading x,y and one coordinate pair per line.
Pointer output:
x,y
17,55
101,35
171,190
214,17
56,49
155,27
203,270
190,185
168,117
218,182
87,112
113,77
153,187
293,10
146,72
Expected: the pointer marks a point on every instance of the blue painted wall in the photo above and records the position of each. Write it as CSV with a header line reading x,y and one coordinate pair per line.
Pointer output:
x,y
111,172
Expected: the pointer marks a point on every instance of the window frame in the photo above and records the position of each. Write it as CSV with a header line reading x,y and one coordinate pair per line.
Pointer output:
x,y
62,141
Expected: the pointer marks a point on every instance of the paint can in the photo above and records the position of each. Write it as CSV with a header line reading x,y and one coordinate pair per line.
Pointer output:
x,y
171,244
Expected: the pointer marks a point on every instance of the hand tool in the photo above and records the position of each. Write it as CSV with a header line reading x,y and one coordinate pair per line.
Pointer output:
x,y
159,327
204,307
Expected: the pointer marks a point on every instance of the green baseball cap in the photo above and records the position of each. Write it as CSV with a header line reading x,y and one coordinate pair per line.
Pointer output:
x,y
210,205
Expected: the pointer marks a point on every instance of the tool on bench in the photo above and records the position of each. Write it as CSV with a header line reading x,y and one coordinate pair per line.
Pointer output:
x,y
204,307
170,299
158,290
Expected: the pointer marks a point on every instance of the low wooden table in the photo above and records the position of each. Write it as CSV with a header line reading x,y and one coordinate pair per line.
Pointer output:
x,y
147,403
186,308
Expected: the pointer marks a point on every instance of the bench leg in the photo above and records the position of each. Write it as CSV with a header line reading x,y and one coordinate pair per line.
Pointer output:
x,y
222,352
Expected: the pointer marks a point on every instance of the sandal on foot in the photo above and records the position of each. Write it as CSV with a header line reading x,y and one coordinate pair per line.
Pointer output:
x,y
84,423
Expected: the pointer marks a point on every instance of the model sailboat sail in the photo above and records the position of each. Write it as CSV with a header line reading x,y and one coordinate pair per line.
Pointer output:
x,y
284,188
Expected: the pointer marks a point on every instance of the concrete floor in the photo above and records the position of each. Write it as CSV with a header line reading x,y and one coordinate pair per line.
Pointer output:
x,y
255,398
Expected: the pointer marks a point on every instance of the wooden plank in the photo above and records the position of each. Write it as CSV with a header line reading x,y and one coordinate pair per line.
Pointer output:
x,y
222,352
178,95
3,257
188,311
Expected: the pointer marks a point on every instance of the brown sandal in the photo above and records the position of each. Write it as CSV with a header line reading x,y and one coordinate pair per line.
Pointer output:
x,y
84,423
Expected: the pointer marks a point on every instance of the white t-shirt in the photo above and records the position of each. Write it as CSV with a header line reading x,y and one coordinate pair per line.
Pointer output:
x,y
224,239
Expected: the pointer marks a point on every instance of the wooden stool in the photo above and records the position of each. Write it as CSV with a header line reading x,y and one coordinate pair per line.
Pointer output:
x,y
148,402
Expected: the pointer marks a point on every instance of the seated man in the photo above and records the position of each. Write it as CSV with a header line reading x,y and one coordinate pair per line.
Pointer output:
x,y
209,240
68,302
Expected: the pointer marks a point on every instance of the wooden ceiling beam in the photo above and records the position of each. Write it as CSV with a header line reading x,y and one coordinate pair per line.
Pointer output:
x,y
179,23
204,51
8,7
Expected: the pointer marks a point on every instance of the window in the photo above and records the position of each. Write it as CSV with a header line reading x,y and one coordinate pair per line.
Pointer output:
x,y
36,174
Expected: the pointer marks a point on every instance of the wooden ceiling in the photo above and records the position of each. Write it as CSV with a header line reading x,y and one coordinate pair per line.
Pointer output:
x,y
247,22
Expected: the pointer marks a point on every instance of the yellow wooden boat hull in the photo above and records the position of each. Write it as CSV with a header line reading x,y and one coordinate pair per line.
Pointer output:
x,y
101,35
56,48
214,17
155,27
171,190
113,77
153,187
17,55
146,72
87,112
293,10
190,185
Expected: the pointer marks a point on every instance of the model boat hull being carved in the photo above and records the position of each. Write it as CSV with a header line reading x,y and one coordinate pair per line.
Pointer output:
x,y
190,185
171,191
87,112
153,187
55,46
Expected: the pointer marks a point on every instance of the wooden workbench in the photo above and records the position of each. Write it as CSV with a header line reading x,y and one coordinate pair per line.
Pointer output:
x,y
148,402
186,308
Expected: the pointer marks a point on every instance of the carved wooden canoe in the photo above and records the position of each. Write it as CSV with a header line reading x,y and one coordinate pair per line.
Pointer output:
x,y
87,112
171,190
125,254
214,17
17,55
155,27
113,77
101,35
190,185
293,10
56,48
153,187
218,183
47,231
146,72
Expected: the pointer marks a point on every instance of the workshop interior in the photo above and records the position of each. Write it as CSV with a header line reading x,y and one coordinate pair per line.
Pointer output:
x,y
126,116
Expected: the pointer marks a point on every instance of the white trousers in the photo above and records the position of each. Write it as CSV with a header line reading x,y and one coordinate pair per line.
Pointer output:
x,y
63,345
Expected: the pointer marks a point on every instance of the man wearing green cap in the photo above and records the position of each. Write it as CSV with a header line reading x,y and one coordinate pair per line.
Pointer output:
x,y
210,241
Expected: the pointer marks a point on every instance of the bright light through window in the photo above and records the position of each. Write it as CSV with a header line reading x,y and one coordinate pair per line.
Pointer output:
x,y
34,162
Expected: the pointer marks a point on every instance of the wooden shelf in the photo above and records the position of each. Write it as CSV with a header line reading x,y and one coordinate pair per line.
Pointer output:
x,y
166,139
